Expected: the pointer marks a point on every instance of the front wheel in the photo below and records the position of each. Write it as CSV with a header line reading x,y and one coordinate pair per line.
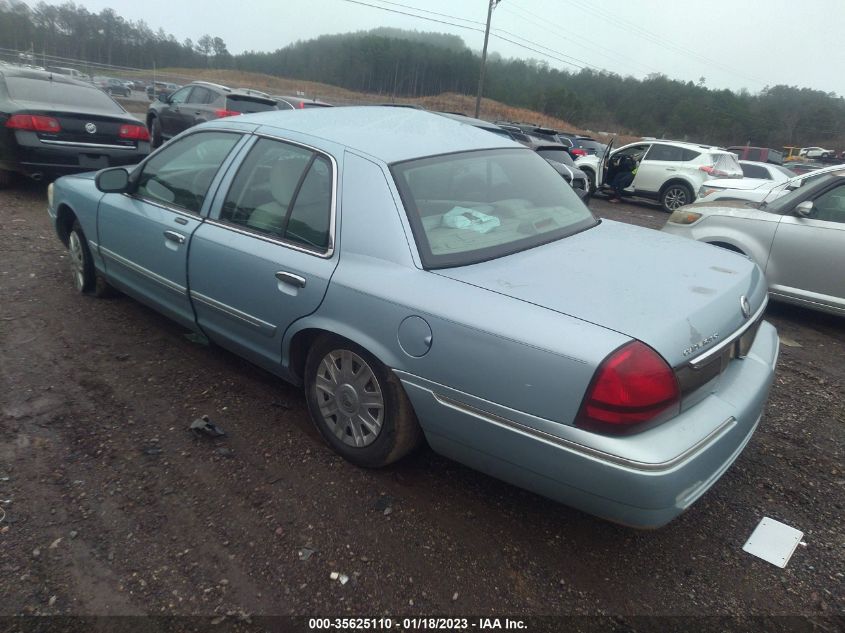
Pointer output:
x,y
84,274
358,404
675,196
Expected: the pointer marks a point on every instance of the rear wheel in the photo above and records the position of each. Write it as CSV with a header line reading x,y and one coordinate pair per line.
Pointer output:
x,y
358,404
155,132
674,196
591,179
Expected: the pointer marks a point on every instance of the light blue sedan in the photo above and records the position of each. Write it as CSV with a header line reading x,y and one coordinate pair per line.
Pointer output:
x,y
422,278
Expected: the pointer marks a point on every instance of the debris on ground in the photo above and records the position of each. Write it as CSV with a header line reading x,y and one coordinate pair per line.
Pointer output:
x,y
773,541
152,450
785,340
305,553
384,504
204,426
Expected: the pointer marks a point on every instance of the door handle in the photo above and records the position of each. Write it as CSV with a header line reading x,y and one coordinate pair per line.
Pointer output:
x,y
173,236
671,169
290,278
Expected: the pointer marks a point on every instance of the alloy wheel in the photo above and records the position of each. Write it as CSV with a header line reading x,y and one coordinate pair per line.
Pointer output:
x,y
77,261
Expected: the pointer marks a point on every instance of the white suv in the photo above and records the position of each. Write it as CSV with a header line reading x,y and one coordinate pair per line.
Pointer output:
x,y
670,172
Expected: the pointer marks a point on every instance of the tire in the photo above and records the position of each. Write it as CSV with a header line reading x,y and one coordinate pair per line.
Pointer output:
x,y
591,178
84,274
155,132
340,377
674,196
5,178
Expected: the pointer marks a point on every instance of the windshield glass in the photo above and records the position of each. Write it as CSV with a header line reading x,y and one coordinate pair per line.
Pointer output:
x,y
60,94
785,203
470,207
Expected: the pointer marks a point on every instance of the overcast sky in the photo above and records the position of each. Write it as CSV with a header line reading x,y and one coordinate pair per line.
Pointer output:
x,y
731,43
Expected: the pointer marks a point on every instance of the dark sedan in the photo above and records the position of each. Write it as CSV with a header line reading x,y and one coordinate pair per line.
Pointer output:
x,y
52,125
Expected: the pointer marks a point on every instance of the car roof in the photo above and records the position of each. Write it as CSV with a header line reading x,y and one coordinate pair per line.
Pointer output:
x,y
388,134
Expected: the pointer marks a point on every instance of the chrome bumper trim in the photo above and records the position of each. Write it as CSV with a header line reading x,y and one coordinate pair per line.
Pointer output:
x,y
91,145
580,448
711,353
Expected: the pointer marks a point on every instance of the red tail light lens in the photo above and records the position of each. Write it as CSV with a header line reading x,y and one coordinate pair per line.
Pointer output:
x,y
633,385
578,152
134,133
224,113
34,123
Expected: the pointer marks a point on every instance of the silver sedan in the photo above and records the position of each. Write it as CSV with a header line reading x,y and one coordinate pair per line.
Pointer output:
x,y
797,239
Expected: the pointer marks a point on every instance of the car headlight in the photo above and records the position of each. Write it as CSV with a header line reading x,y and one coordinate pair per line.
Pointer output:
x,y
682,216
50,195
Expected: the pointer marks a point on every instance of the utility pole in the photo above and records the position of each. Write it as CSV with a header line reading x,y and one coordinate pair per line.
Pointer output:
x,y
492,5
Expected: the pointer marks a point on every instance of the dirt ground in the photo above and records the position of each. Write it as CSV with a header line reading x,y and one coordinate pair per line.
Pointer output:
x,y
113,507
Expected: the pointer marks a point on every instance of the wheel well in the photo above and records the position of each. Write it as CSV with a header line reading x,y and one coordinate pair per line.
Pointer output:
x,y
676,181
65,217
150,118
726,246
299,346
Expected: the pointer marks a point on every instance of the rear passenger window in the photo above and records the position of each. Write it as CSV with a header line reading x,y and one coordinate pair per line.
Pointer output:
x,y
284,191
689,154
664,152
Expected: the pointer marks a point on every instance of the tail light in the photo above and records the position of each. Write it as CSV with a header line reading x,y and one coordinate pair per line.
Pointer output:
x,y
134,133
577,151
633,385
34,123
224,113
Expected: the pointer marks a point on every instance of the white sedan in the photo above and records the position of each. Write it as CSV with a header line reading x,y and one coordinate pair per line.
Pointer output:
x,y
754,190
754,175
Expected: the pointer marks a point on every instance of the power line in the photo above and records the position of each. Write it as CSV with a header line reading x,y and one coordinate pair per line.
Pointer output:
x,y
558,33
659,40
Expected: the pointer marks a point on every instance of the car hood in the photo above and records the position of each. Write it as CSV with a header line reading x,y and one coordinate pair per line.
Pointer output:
x,y
742,183
724,204
671,293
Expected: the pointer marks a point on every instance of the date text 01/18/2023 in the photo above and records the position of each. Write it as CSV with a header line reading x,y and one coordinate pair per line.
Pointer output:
x,y
415,624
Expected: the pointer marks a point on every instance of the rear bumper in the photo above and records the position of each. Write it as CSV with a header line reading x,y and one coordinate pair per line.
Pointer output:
x,y
625,488
30,157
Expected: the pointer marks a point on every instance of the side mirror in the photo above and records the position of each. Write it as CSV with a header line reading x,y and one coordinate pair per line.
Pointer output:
x,y
804,209
114,180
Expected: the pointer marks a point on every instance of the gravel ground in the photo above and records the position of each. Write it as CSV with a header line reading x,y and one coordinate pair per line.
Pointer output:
x,y
116,509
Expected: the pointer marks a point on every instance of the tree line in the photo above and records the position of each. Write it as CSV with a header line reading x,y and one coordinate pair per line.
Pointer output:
x,y
393,62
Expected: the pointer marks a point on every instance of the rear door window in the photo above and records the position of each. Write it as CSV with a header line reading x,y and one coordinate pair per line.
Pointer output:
x,y
659,151
284,191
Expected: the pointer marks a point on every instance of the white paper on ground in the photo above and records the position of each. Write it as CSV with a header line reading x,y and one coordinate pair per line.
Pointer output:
x,y
773,541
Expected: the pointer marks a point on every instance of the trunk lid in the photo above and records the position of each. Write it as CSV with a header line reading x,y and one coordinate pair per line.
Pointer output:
x,y
92,127
679,296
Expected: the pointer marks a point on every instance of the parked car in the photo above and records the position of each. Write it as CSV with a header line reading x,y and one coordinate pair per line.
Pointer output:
x,y
586,146
559,157
670,172
161,89
554,153
51,125
754,174
112,86
298,103
453,288
199,102
816,152
759,154
70,72
765,190
797,239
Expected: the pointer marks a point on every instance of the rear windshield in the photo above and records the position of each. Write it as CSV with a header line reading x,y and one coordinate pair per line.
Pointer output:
x,y
470,207
247,105
556,155
59,93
